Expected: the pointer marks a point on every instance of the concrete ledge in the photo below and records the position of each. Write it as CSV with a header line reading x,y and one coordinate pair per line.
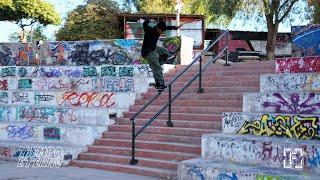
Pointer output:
x,y
279,125
50,133
55,115
11,150
261,151
202,169
104,100
282,102
307,82
298,64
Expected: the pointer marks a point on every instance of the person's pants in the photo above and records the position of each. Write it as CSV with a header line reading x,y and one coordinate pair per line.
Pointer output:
x,y
153,60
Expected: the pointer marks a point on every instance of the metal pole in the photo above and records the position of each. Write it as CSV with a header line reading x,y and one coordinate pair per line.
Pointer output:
x,y
169,122
227,53
133,160
200,90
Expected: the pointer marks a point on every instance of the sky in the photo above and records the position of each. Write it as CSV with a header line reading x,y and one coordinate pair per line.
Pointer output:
x,y
63,7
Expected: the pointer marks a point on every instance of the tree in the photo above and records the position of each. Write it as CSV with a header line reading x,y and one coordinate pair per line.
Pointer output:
x,y
273,12
217,12
27,12
97,19
34,36
316,10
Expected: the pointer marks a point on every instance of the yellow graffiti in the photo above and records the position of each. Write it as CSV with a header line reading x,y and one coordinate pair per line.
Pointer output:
x,y
289,126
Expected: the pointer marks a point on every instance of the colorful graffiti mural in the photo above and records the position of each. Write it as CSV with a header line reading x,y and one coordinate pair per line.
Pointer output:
x,y
298,64
305,40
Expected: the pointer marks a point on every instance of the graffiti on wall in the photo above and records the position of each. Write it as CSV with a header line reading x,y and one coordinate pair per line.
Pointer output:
x,y
305,40
294,104
20,132
298,65
283,126
77,72
86,99
51,133
5,152
80,53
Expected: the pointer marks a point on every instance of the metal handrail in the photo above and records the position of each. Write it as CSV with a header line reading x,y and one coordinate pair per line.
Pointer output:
x,y
168,104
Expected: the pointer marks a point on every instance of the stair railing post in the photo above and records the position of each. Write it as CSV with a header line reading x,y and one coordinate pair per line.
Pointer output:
x,y
133,160
200,89
169,122
226,51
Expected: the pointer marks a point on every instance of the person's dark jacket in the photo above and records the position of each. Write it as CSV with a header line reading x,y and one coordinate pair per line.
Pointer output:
x,y
151,37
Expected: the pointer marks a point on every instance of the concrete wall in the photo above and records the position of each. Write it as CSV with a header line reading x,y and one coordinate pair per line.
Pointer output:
x,y
80,53
290,82
298,65
295,103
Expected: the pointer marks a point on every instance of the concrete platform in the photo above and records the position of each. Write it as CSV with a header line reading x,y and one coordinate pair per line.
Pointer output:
x,y
205,169
262,151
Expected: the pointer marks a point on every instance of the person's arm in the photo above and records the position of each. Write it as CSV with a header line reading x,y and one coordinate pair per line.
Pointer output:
x,y
173,27
146,25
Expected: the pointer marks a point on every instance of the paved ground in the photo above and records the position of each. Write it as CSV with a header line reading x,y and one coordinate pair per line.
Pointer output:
x,y
9,171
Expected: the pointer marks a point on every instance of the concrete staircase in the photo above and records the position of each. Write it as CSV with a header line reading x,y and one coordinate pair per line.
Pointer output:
x,y
159,148
279,122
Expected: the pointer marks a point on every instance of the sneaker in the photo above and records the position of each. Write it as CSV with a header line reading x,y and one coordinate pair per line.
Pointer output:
x,y
161,88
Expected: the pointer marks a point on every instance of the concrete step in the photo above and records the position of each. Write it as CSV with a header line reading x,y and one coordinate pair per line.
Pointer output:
x,y
145,171
262,151
153,137
13,150
298,64
50,133
54,115
151,145
279,125
195,96
296,82
282,102
225,73
163,130
144,153
194,90
187,109
182,116
215,83
196,103
120,159
200,168
177,123
216,78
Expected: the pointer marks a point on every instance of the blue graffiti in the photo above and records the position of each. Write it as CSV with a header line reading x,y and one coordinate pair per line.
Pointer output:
x,y
23,132
315,160
224,176
195,170
26,153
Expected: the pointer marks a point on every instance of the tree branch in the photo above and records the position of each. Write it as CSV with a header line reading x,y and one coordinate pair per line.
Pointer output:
x,y
287,11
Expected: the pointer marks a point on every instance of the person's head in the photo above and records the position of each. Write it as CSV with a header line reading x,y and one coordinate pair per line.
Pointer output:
x,y
161,26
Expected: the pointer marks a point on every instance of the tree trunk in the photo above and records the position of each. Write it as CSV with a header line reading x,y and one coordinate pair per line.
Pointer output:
x,y
271,37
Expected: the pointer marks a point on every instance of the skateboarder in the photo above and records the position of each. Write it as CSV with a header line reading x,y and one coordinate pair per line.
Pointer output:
x,y
151,52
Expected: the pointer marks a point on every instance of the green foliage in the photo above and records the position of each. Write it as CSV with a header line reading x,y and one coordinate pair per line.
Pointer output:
x,y
34,10
217,11
316,13
96,20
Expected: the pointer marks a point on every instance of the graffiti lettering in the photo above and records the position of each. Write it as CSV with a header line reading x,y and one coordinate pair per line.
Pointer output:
x,y
293,105
51,133
118,85
4,97
20,97
5,152
108,71
24,83
36,113
22,132
295,127
126,71
145,69
10,71
90,72
87,99
224,176
4,85
22,72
